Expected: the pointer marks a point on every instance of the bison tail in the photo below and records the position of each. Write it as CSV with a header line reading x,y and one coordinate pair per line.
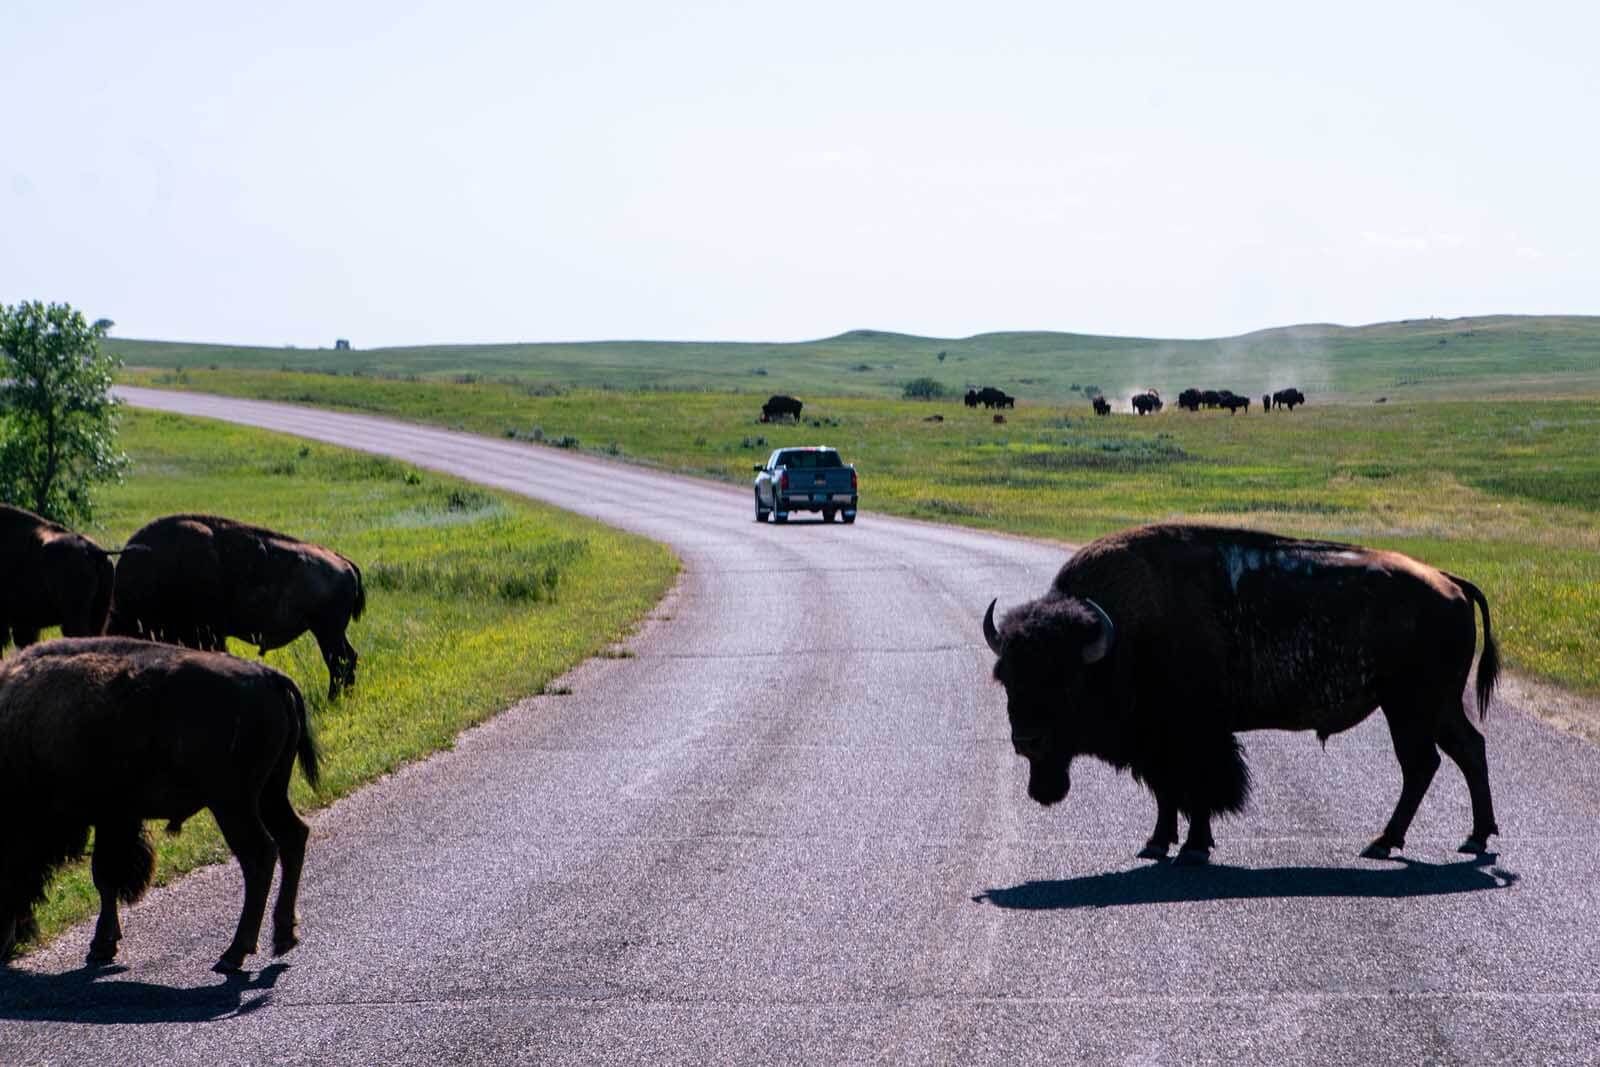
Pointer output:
x,y
306,748
361,592
124,859
1489,662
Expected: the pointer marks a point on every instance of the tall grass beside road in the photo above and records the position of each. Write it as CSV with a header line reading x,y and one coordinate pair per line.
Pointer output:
x,y
1505,492
474,599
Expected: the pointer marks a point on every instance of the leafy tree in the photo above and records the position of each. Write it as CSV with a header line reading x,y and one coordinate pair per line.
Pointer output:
x,y
924,389
57,415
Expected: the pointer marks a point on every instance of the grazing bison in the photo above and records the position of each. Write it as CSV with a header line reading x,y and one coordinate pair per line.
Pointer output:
x,y
198,579
1232,401
1101,405
1147,402
1156,645
106,732
1210,398
1189,399
1288,398
49,576
1266,401
971,399
780,407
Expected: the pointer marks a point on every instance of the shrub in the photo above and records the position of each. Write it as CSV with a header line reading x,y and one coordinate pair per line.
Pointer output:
x,y
925,389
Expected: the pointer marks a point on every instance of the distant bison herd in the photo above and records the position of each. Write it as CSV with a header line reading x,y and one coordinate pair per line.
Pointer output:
x,y
990,397
104,732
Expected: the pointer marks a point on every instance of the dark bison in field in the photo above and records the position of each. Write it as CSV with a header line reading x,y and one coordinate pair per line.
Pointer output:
x,y
1156,645
1266,401
971,399
990,397
107,732
1189,400
1147,402
1101,405
1232,401
198,579
49,576
780,407
1288,398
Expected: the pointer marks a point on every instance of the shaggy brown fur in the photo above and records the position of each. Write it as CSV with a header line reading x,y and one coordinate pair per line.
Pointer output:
x,y
198,579
107,732
1217,631
49,576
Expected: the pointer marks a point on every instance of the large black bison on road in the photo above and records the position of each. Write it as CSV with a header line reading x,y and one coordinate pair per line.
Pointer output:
x,y
107,732
1156,645
198,579
49,576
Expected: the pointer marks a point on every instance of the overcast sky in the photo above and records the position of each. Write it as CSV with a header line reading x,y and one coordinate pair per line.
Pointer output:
x,y
472,171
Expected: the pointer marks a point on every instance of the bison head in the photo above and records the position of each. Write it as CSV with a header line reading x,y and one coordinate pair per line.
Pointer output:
x,y
1047,650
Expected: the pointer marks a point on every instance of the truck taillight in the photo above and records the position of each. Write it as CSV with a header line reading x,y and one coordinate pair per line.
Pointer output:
x,y
852,478
783,480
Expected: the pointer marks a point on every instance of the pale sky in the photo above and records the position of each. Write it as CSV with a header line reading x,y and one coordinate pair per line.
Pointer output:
x,y
474,171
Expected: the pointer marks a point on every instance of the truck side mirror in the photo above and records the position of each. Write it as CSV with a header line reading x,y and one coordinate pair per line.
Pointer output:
x,y
758,468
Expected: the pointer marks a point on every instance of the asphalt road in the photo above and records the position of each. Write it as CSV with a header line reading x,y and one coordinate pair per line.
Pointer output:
x,y
791,830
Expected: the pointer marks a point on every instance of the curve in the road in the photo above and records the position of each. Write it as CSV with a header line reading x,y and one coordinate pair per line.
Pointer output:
x,y
791,829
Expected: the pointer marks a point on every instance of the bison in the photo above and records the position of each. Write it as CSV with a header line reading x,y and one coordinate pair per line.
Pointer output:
x,y
1232,401
1147,402
780,407
1266,401
971,399
1189,400
1154,646
197,580
49,576
1101,405
107,732
1288,398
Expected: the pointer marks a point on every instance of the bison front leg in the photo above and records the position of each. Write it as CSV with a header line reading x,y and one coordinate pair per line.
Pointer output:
x,y
1165,835
1196,850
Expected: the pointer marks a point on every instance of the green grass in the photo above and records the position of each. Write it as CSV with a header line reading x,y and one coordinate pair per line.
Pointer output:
x,y
1501,355
1504,492
475,599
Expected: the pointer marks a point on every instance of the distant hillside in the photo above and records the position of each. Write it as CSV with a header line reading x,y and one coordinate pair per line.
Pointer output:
x,y
1546,355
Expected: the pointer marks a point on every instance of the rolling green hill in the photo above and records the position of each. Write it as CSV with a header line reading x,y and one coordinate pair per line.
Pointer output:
x,y
1434,358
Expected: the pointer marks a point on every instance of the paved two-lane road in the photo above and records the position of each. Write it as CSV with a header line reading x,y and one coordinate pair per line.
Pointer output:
x,y
791,830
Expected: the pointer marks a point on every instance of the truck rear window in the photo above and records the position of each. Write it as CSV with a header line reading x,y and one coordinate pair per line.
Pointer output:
x,y
809,459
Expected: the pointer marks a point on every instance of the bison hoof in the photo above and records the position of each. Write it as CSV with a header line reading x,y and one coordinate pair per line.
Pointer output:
x,y
99,954
1153,851
232,962
1192,857
1376,851
282,943
1475,846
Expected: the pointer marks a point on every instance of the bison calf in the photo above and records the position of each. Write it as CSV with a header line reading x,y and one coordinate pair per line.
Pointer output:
x,y
106,732
1156,645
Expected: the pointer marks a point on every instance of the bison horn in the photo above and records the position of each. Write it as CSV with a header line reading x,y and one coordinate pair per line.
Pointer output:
x,y
990,634
1096,650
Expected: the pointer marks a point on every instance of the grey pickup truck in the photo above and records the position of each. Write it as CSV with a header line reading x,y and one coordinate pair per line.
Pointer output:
x,y
805,479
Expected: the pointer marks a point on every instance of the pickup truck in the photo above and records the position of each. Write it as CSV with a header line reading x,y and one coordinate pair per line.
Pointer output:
x,y
812,478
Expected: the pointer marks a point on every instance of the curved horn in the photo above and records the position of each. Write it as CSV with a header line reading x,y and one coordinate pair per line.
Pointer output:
x,y
990,634
1096,650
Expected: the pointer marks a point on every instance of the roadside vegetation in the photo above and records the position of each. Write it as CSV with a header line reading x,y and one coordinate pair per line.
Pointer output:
x,y
1504,492
1533,355
475,599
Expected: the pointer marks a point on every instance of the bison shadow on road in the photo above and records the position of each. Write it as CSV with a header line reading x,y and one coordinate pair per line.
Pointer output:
x,y
1162,883
81,996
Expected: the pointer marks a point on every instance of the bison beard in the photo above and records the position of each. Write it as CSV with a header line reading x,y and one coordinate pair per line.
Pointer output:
x,y
1211,632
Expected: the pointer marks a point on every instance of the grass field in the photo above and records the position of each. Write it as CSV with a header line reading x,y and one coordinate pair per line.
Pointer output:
x,y
1501,355
1506,493
475,599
